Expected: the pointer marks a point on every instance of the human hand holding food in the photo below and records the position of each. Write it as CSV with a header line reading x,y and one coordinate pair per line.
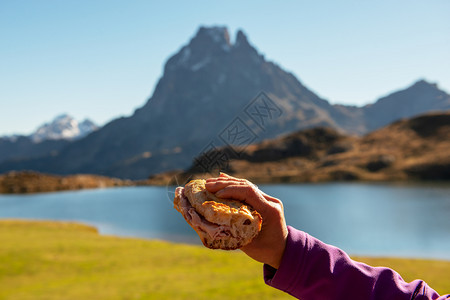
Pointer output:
x,y
219,222
268,246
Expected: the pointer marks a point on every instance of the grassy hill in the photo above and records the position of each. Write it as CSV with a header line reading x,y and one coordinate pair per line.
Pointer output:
x,y
52,260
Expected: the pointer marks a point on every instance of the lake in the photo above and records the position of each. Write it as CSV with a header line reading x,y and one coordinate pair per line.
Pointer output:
x,y
401,220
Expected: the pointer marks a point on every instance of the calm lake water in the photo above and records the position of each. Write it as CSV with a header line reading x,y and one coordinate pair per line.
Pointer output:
x,y
362,219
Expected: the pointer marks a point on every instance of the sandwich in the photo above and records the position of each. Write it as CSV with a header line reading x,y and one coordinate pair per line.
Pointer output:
x,y
220,223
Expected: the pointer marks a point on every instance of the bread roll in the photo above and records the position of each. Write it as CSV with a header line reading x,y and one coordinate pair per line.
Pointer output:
x,y
220,223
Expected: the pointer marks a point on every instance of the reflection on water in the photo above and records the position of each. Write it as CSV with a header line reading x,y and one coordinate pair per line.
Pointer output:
x,y
363,219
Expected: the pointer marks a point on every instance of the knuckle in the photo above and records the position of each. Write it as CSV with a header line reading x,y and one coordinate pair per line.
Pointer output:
x,y
278,201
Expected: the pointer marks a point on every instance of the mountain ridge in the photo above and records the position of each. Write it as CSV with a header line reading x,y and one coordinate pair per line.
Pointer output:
x,y
47,139
206,86
62,127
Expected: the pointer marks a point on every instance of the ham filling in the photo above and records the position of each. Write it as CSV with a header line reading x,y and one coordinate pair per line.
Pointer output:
x,y
198,221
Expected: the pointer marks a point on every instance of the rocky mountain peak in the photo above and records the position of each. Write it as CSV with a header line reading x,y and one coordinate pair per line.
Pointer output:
x,y
241,39
209,41
421,84
204,70
216,34
210,44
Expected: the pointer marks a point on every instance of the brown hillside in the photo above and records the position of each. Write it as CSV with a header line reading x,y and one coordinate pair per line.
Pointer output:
x,y
412,149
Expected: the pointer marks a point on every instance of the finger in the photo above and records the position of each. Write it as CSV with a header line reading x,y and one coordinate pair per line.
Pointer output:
x,y
224,175
270,198
228,177
214,186
220,178
212,179
245,193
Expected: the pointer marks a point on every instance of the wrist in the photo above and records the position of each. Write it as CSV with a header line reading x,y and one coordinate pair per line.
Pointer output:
x,y
279,251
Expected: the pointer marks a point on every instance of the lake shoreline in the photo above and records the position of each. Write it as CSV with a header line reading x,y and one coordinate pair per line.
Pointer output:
x,y
25,182
392,220
28,182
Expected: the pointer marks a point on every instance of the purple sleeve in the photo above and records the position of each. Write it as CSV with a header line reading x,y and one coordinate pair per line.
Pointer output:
x,y
311,269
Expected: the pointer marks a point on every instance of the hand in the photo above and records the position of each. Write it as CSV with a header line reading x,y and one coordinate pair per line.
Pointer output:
x,y
268,246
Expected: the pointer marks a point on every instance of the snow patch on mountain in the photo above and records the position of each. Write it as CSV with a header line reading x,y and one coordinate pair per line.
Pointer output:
x,y
185,54
63,127
200,64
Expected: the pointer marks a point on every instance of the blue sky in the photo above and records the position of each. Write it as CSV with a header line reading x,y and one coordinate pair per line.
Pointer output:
x,y
102,59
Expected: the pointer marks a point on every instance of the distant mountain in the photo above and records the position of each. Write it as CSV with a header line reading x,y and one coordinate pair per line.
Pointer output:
x,y
47,140
22,148
210,95
63,127
421,97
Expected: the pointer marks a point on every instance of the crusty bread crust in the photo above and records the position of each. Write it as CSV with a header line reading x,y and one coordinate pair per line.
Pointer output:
x,y
241,221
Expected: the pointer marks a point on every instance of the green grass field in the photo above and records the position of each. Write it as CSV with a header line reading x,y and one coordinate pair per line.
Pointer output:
x,y
51,260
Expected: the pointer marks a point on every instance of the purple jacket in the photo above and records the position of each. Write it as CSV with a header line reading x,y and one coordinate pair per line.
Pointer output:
x,y
313,270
